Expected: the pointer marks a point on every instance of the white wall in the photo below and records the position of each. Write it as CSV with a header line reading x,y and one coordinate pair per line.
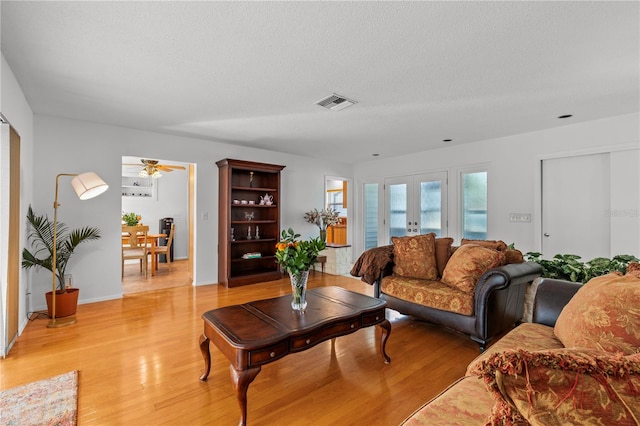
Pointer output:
x,y
16,110
72,146
514,177
625,202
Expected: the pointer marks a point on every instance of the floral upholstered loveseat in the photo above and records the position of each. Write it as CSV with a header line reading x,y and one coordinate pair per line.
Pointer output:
x,y
578,363
477,288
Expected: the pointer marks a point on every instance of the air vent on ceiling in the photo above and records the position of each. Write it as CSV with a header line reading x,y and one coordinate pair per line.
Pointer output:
x,y
335,102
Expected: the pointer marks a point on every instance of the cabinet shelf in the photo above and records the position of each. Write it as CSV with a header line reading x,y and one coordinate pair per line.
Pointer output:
x,y
253,259
137,187
252,188
250,181
251,222
253,240
252,206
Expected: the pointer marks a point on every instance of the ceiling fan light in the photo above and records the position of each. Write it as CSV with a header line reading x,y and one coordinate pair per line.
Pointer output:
x,y
156,174
143,173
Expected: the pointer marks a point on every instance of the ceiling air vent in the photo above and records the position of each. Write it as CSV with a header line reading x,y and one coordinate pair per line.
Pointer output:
x,y
335,102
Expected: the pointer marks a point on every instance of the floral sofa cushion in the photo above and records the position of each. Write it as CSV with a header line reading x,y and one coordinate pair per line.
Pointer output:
x,y
530,336
434,294
454,407
467,264
563,386
604,314
415,257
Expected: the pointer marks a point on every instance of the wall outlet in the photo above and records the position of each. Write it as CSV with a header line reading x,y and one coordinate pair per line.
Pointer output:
x,y
520,217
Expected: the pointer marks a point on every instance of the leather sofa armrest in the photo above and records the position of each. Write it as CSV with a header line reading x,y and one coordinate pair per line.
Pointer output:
x,y
551,297
504,276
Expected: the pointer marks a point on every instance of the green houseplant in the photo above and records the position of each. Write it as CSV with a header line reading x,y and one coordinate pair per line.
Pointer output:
x,y
131,219
40,238
569,267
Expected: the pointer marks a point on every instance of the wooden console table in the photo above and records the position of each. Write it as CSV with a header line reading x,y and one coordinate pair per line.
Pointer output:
x,y
257,333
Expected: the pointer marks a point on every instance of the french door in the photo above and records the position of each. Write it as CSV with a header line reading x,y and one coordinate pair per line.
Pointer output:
x,y
416,205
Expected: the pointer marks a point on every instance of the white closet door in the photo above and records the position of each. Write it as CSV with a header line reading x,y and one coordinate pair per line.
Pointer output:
x,y
575,202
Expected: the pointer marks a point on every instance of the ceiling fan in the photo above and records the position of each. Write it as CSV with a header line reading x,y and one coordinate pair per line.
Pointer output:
x,y
152,168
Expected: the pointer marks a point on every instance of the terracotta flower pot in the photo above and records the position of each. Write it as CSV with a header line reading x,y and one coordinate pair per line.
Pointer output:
x,y
66,302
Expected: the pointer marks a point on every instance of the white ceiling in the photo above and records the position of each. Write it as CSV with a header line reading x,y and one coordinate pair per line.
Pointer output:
x,y
248,73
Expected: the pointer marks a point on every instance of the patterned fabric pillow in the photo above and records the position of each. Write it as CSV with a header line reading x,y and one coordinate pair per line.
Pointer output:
x,y
513,256
415,257
633,268
492,244
604,314
467,264
563,387
443,253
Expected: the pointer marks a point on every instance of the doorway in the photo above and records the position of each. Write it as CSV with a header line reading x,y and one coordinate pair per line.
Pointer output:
x,y
11,161
337,196
161,193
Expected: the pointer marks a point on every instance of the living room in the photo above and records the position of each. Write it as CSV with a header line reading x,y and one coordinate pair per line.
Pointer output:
x,y
52,144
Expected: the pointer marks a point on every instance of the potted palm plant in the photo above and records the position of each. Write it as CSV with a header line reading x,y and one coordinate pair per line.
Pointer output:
x,y
40,237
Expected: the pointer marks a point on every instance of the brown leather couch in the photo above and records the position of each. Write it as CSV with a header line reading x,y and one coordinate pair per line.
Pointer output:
x,y
497,302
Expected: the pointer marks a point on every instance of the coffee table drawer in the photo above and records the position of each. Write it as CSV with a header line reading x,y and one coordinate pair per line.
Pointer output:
x,y
306,341
373,318
263,356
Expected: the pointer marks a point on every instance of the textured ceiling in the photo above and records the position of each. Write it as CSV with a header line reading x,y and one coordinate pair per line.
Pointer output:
x,y
248,73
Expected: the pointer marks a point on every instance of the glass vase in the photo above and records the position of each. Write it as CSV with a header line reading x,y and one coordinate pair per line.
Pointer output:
x,y
323,235
299,290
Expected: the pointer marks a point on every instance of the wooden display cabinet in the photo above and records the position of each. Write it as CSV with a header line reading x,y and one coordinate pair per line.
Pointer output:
x,y
242,182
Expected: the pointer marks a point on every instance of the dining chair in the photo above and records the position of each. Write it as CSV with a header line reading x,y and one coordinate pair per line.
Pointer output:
x,y
135,246
166,250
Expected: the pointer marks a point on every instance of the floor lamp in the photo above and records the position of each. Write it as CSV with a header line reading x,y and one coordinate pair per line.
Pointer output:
x,y
87,185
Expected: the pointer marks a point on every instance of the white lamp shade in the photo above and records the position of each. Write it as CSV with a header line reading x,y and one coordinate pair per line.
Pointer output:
x,y
88,185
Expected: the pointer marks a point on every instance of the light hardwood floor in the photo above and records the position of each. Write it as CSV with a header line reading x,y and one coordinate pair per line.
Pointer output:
x,y
139,364
134,282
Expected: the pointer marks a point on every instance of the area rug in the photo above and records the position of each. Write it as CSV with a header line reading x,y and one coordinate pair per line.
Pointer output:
x,y
52,402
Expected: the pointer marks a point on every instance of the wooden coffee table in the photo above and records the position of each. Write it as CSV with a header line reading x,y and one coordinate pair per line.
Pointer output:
x,y
257,333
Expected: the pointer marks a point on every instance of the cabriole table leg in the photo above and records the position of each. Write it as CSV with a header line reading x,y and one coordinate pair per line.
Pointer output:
x,y
241,380
386,331
204,348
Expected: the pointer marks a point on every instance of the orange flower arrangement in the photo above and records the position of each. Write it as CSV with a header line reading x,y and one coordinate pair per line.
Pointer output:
x,y
296,256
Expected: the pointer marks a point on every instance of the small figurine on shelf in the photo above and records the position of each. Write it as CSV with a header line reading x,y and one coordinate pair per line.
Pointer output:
x,y
250,179
248,233
249,215
233,238
257,232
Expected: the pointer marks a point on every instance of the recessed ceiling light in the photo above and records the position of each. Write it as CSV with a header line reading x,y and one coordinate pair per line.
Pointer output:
x,y
565,116
447,140
375,155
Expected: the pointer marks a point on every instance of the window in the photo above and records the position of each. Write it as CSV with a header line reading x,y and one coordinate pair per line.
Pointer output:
x,y
474,205
371,215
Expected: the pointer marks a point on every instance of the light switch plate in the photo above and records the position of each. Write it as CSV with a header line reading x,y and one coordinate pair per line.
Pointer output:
x,y
520,217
